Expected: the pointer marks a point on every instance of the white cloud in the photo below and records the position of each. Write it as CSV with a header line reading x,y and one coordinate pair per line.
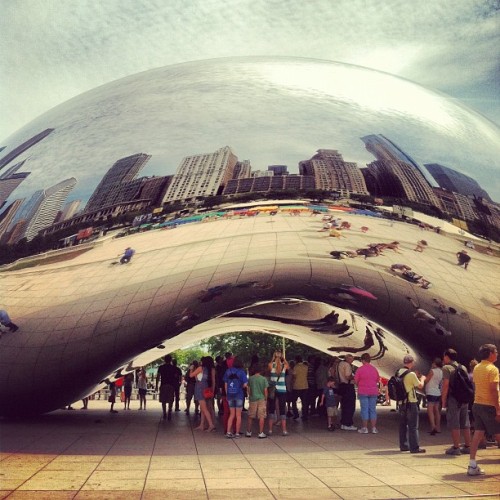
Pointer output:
x,y
51,50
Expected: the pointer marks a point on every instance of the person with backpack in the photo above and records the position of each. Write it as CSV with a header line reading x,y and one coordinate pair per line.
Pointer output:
x,y
235,380
486,407
406,396
456,394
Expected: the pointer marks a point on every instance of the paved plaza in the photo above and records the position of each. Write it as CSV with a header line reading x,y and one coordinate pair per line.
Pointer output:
x,y
136,455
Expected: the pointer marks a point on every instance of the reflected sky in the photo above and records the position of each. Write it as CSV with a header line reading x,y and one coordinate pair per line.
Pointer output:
x,y
269,110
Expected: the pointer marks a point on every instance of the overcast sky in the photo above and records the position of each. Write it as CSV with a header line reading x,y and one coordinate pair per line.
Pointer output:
x,y
52,50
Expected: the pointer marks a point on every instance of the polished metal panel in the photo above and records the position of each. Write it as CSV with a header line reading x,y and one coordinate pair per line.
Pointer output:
x,y
84,319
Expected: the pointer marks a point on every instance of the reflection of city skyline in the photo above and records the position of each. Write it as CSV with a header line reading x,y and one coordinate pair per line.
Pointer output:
x,y
394,173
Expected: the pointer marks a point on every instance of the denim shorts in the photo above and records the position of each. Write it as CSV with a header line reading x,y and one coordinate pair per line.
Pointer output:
x,y
433,399
235,403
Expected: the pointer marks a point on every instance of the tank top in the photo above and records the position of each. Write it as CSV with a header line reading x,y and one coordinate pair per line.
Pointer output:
x,y
433,388
280,382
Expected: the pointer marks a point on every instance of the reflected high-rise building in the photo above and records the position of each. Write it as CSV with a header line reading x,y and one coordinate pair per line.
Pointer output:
x,y
10,180
395,173
278,169
454,181
24,146
7,217
331,172
40,211
110,190
69,210
202,175
242,169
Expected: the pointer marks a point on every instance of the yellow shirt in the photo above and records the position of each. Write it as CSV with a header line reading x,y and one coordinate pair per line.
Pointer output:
x,y
484,374
300,374
411,382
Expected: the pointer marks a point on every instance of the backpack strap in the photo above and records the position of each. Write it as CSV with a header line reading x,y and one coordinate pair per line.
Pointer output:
x,y
402,377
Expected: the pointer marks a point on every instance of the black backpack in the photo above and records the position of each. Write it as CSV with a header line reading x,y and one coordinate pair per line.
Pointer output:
x,y
461,387
396,386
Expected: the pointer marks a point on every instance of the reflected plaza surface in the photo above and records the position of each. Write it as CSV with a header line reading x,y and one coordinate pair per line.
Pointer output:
x,y
84,320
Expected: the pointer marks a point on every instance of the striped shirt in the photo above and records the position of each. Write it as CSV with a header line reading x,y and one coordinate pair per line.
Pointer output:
x,y
278,379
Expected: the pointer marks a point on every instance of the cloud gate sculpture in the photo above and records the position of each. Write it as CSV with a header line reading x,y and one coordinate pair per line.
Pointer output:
x,y
83,318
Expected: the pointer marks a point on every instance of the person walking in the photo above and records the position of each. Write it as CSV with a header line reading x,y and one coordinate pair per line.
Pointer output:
x,y
433,382
408,410
486,407
367,379
457,414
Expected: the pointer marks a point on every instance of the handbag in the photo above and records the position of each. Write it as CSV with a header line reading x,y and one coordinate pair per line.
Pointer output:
x,y
208,393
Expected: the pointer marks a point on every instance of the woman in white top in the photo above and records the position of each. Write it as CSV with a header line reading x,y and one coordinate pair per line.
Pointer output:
x,y
433,383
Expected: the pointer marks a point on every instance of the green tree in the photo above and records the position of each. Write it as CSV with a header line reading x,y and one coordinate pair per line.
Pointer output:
x,y
246,344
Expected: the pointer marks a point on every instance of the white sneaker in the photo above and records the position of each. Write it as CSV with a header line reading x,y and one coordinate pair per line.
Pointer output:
x,y
374,430
262,435
363,430
350,428
248,434
475,471
229,435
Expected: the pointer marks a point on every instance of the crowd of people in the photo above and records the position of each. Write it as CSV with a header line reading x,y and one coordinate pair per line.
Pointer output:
x,y
470,397
328,387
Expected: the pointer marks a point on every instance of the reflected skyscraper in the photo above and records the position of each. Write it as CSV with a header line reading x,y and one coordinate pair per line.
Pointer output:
x,y
24,146
112,188
331,172
278,169
395,173
10,180
454,181
41,210
202,175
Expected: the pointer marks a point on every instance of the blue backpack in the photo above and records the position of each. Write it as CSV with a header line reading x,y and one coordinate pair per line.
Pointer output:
x,y
234,383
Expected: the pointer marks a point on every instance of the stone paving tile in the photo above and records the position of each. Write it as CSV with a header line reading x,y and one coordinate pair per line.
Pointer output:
x,y
171,463
284,472
95,483
108,495
345,477
234,483
436,490
178,484
5,493
46,495
301,493
176,495
175,473
294,483
228,473
254,494
475,486
355,493
55,480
